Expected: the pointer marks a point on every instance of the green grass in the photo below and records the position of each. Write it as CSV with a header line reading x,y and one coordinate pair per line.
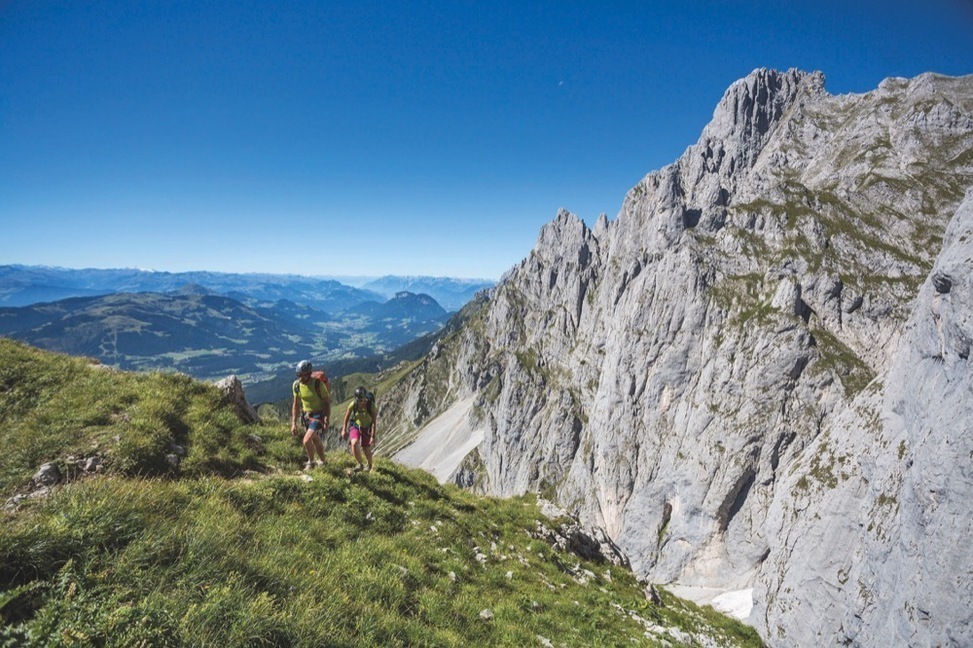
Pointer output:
x,y
54,406
388,558
236,547
837,358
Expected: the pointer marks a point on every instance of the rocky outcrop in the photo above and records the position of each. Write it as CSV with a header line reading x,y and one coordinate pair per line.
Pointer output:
x,y
49,475
752,377
571,535
231,390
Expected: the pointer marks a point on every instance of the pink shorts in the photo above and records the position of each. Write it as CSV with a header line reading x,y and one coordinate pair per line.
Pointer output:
x,y
364,435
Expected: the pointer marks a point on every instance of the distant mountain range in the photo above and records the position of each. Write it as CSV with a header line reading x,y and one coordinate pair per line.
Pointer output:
x,y
451,293
22,285
208,324
200,334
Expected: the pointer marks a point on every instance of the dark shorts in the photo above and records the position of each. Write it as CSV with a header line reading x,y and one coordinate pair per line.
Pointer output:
x,y
365,436
313,421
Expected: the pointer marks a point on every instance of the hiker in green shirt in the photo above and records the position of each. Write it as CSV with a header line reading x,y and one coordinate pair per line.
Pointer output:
x,y
363,417
312,400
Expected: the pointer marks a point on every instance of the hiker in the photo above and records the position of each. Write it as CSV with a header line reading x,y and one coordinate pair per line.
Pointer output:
x,y
311,397
363,417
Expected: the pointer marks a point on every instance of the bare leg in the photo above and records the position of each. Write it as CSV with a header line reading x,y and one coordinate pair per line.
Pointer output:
x,y
309,438
356,450
318,446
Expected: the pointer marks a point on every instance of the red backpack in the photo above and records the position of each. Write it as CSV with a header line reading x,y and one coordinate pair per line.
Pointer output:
x,y
323,377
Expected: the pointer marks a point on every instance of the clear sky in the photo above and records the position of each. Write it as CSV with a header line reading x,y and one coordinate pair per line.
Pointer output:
x,y
385,137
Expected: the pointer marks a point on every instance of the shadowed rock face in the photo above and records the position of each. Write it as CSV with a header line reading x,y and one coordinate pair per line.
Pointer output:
x,y
756,375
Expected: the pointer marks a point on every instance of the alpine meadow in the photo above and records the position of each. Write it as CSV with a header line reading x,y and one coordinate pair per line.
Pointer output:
x,y
161,518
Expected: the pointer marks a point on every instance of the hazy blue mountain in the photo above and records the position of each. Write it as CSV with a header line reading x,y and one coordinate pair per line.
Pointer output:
x,y
451,293
211,324
204,335
22,285
404,305
391,323
25,285
276,389
398,320
208,335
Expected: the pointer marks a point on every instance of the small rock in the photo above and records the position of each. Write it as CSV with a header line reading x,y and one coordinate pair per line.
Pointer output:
x,y
486,614
13,502
47,475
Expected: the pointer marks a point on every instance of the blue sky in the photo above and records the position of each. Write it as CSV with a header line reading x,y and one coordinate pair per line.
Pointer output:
x,y
382,137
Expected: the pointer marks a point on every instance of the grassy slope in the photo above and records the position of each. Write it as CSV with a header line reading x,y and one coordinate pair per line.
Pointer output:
x,y
238,548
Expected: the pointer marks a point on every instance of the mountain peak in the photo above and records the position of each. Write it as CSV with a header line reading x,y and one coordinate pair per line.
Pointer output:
x,y
755,103
750,111
193,289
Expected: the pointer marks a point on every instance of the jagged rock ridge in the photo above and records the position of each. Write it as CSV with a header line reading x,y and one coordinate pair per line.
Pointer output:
x,y
732,377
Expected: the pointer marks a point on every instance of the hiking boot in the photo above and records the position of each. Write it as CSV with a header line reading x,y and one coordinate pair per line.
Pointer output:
x,y
308,465
319,462
358,468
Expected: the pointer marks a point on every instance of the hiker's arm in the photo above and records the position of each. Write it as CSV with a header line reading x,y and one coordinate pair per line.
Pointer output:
x,y
294,409
325,404
344,426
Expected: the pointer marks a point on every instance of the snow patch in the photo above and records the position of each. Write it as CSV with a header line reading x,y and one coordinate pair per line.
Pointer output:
x,y
443,442
734,603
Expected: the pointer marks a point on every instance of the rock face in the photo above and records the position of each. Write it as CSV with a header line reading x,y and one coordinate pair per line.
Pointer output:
x,y
757,375
886,530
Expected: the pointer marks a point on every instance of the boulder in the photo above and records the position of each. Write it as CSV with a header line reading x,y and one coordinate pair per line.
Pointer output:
x,y
232,390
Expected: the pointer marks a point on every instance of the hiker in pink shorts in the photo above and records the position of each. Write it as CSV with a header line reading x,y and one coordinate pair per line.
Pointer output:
x,y
363,416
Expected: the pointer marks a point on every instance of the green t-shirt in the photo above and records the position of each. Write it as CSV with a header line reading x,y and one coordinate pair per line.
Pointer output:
x,y
361,417
310,401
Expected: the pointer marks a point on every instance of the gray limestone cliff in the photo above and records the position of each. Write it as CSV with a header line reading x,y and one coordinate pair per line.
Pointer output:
x,y
756,376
